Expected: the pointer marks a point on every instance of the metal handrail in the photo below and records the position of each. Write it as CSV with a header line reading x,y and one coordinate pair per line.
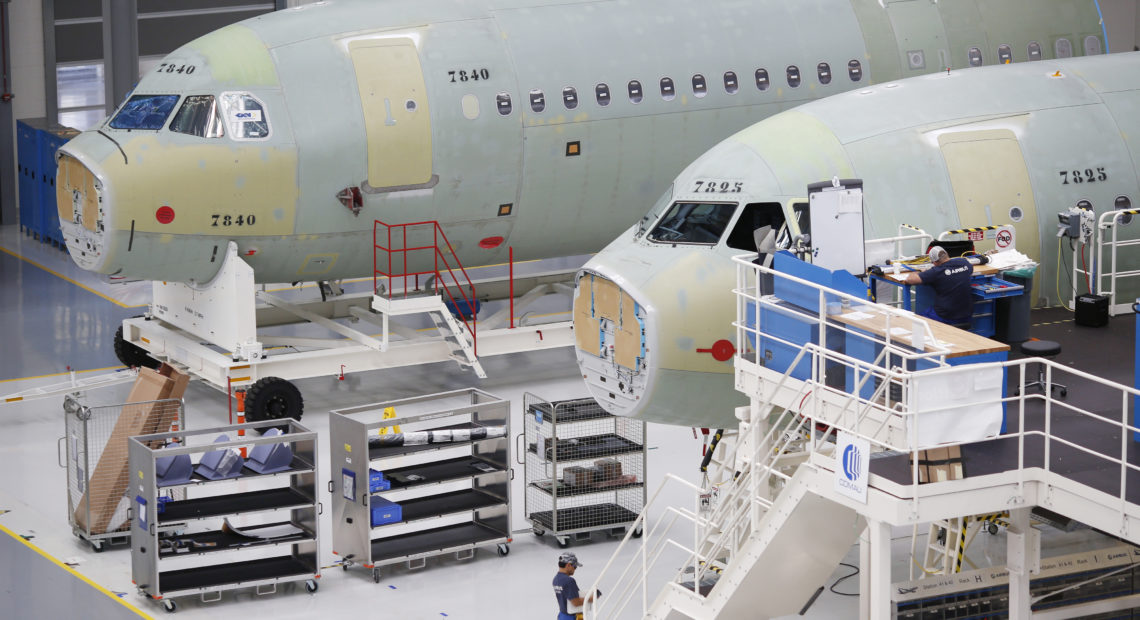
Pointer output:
x,y
459,299
1106,221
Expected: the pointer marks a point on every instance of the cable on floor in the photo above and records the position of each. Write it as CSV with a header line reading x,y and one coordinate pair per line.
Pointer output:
x,y
854,571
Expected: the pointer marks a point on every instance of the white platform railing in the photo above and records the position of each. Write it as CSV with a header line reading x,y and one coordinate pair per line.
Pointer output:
x,y
792,422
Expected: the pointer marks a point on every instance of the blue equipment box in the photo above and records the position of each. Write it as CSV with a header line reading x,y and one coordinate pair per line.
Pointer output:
x,y
385,511
993,287
463,309
377,481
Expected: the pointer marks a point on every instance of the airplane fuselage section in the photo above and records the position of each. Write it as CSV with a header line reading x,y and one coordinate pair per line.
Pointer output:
x,y
546,127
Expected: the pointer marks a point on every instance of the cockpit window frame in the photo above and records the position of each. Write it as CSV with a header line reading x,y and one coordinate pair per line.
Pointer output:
x,y
239,136
218,125
717,235
171,99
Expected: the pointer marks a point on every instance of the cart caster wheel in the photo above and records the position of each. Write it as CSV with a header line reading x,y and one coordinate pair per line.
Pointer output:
x,y
376,575
503,550
1064,392
638,532
992,528
97,547
538,532
170,606
563,543
344,567
311,586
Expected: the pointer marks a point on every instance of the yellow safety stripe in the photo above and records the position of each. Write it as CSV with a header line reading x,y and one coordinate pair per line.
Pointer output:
x,y
67,568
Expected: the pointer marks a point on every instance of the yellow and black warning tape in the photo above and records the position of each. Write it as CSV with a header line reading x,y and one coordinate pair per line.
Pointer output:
x,y
961,545
975,229
997,518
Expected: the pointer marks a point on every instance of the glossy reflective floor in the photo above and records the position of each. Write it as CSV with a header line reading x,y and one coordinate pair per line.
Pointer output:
x,y
56,316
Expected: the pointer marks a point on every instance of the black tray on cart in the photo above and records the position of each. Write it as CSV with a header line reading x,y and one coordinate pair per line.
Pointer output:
x,y
581,517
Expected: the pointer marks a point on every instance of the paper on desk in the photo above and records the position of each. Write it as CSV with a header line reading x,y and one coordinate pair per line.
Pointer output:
x,y
856,316
900,331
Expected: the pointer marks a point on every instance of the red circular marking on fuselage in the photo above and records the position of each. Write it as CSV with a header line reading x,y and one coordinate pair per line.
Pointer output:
x,y
723,350
164,215
491,242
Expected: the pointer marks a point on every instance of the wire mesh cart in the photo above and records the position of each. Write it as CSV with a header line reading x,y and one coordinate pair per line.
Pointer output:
x,y
420,477
585,469
248,518
94,452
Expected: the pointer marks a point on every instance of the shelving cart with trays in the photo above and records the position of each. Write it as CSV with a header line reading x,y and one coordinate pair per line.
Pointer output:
x,y
202,557
89,441
585,469
454,496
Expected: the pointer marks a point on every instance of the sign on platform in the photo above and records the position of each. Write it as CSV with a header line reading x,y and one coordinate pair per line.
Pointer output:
x,y
854,466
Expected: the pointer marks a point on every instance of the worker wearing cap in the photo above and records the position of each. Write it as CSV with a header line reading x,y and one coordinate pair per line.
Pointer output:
x,y
570,600
950,280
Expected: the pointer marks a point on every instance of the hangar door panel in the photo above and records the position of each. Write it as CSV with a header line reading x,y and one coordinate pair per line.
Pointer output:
x,y
396,115
989,178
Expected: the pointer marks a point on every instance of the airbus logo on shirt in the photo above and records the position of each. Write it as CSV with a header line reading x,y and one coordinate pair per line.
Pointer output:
x,y
957,270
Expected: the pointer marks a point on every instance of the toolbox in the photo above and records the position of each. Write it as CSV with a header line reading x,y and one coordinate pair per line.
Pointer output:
x,y
993,287
385,511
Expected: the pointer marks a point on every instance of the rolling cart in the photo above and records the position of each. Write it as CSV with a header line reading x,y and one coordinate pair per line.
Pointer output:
x,y
420,477
97,508
274,489
585,469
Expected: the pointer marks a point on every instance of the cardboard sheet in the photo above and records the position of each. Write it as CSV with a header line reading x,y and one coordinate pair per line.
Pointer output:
x,y
585,326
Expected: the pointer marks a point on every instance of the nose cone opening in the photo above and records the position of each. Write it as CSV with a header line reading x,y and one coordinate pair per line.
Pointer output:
x,y
79,199
610,328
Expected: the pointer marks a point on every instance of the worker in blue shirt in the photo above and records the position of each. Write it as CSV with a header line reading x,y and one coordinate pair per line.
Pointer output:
x,y
570,600
950,280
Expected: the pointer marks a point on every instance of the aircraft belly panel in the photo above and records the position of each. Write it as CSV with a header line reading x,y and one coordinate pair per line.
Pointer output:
x,y
396,115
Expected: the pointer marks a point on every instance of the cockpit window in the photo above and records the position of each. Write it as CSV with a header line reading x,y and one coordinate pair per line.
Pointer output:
x,y
753,218
656,211
245,116
144,112
198,116
693,222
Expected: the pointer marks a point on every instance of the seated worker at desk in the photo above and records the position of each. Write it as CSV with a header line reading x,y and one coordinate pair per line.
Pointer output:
x,y
950,279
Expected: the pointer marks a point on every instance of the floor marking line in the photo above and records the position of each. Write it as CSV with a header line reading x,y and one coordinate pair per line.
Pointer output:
x,y
60,374
67,279
67,568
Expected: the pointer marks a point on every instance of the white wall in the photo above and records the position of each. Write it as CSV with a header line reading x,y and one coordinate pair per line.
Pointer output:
x,y
27,40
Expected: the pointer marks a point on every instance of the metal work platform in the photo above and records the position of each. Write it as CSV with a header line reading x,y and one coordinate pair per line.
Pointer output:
x,y
829,451
422,309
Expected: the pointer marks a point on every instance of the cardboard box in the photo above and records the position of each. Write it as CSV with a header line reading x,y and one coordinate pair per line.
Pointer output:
x,y
109,478
578,476
940,464
610,469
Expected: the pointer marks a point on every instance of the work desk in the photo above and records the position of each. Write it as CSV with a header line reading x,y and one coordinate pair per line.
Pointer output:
x,y
960,342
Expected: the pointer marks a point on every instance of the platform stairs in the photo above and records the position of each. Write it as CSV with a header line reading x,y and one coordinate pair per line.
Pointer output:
x,y
765,540
404,252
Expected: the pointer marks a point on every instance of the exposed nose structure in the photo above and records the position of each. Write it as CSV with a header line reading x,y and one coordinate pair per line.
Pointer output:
x,y
645,346
80,197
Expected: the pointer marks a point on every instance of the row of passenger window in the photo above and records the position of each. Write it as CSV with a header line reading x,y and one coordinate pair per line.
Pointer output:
x,y
669,89
1063,48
